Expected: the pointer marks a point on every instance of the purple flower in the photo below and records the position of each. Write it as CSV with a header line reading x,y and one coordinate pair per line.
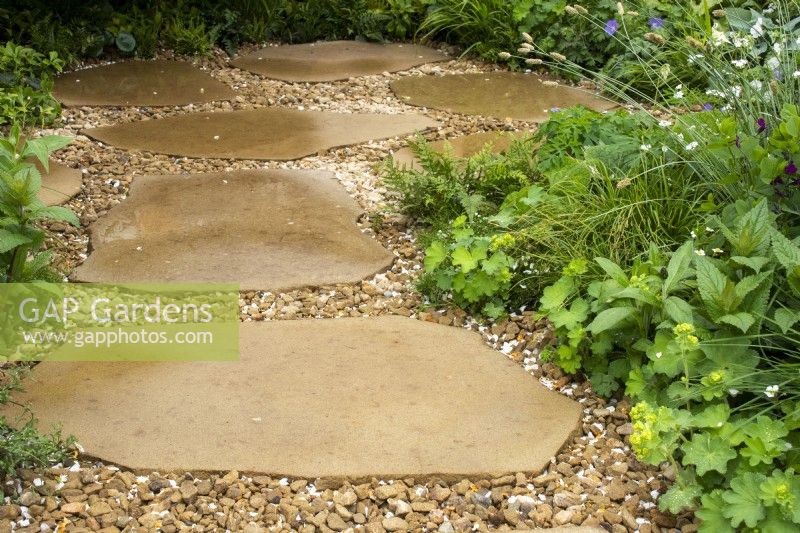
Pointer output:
x,y
708,107
762,125
612,26
555,109
791,168
656,22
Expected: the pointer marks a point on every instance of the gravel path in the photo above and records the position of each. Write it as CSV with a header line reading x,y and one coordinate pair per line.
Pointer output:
x,y
594,480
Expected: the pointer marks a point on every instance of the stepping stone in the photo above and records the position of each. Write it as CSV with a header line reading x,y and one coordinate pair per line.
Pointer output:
x,y
263,229
340,398
334,60
59,184
496,94
140,83
465,146
272,133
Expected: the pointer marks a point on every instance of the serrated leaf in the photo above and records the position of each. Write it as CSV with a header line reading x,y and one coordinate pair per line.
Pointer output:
x,y
612,269
750,283
678,310
713,416
678,498
710,514
556,294
708,452
754,263
742,321
54,212
786,252
9,240
786,318
435,254
466,259
679,266
609,318
710,281
744,503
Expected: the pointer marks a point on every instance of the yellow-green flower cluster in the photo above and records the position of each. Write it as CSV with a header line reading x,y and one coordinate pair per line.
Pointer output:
x,y
684,336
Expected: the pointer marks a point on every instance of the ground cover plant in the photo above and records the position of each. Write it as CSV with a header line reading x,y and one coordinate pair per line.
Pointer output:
x,y
26,79
689,299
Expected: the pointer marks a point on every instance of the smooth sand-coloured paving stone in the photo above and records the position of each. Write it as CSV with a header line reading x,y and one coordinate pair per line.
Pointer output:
x,y
273,133
59,184
465,146
352,397
496,94
140,83
264,229
334,60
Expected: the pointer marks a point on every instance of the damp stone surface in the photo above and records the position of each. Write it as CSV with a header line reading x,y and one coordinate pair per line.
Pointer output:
x,y
495,94
264,229
265,134
347,398
140,83
334,60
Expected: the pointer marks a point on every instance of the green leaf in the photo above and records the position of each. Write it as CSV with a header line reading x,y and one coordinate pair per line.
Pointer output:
x,y
609,318
54,212
744,502
9,240
710,512
743,321
708,452
787,253
710,281
572,317
467,259
556,294
678,497
713,416
786,318
125,42
678,310
435,255
754,263
679,266
612,269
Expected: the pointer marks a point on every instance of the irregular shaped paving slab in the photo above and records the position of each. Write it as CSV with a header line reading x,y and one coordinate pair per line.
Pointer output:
x,y
496,94
354,398
264,229
465,146
59,183
274,133
334,60
140,83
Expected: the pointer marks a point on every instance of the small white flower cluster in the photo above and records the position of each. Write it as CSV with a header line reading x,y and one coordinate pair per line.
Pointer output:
x,y
771,391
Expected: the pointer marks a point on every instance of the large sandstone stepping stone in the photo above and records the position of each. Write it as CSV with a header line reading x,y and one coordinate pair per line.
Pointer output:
x,y
140,83
59,184
497,94
465,146
263,229
354,397
273,133
334,60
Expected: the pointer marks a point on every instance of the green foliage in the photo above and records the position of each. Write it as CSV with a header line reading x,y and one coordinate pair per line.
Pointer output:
x,y
21,445
189,35
21,211
25,85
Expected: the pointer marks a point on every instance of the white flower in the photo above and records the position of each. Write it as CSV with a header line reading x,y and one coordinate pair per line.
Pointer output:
x,y
741,42
658,355
718,251
756,84
796,74
777,48
679,91
700,252
664,123
692,145
733,392
773,62
739,63
693,234
758,28
645,147
771,391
